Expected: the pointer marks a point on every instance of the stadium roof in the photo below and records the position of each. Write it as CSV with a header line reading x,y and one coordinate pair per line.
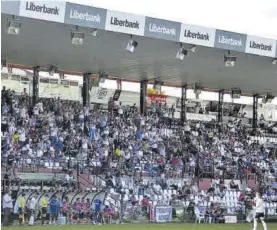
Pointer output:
x,y
41,43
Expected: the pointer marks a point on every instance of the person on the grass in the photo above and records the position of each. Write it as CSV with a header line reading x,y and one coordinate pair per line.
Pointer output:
x,y
21,209
96,211
260,212
54,209
77,208
66,210
83,209
43,205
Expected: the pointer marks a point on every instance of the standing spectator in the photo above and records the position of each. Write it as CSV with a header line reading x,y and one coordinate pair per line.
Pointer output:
x,y
7,207
54,208
43,205
21,209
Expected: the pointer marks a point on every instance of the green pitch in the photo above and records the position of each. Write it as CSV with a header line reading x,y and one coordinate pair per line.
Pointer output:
x,y
148,227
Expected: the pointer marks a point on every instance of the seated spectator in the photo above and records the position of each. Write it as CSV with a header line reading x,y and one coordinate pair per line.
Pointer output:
x,y
233,185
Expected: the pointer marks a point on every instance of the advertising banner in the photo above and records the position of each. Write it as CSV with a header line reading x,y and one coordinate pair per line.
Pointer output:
x,y
197,35
179,211
162,213
10,7
44,10
230,219
230,41
200,117
125,23
162,29
86,16
260,46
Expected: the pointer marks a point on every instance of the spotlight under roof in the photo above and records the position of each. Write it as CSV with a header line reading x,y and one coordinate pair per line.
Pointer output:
x,y
230,61
77,38
181,53
132,45
13,27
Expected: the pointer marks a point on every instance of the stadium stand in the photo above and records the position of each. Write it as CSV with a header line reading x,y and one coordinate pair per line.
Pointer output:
x,y
60,148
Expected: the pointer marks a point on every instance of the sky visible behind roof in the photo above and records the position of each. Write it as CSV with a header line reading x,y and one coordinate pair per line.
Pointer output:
x,y
254,17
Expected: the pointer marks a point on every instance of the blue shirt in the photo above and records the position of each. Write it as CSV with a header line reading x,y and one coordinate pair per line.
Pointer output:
x,y
97,204
54,205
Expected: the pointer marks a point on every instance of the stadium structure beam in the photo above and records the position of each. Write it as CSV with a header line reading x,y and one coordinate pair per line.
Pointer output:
x,y
26,67
255,111
142,96
183,104
86,89
220,105
35,84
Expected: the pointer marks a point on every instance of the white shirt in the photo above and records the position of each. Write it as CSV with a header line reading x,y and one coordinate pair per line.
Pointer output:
x,y
32,203
259,207
7,201
22,136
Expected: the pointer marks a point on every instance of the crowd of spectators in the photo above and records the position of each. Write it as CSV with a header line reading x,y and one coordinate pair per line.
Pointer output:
x,y
54,130
120,143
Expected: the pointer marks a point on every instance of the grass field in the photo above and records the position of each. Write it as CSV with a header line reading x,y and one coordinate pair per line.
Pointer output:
x,y
149,227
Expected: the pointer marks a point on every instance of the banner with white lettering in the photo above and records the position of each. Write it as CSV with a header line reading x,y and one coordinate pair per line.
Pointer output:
x,y
197,35
86,16
125,23
260,46
230,41
162,213
162,29
44,10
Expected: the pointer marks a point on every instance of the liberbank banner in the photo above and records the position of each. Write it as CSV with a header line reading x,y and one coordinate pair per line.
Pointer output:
x,y
44,10
125,23
86,16
260,46
197,35
162,29
230,41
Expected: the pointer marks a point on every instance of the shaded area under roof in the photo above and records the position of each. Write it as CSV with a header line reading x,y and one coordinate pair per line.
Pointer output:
x,y
41,43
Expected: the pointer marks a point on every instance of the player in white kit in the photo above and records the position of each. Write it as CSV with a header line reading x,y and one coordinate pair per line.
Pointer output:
x,y
260,212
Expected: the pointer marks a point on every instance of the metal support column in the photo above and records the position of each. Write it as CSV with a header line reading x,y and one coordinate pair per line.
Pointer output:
x,y
35,90
220,105
183,104
86,89
143,95
255,111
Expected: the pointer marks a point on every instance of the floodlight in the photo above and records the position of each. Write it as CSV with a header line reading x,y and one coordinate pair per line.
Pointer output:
x,y
77,38
181,54
236,93
230,61
13,27
94,32
193,49
132,45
